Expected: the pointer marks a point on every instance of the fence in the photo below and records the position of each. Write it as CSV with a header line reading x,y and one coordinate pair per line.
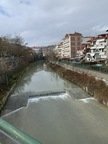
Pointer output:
x,y
16,134
96,67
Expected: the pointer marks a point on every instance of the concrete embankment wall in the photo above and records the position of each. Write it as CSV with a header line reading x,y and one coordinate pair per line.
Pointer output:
x,y
91,84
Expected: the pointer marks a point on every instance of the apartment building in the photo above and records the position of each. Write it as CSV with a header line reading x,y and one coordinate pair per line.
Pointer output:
x,y
66,51
72,44
59,50
87,43
76,40
69,46
99,50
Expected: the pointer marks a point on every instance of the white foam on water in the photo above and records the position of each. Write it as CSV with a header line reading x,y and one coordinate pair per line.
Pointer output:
x,y
87,100
62,96
12,112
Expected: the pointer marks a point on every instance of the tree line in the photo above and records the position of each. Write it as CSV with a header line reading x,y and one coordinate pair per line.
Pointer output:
x,y
14,54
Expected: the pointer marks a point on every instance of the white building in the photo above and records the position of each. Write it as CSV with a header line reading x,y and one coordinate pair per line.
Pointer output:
x,y
66,51
69,46
59,50
99,51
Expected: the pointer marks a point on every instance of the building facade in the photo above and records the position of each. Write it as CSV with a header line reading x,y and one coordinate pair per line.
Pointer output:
x,y
69,46
66,46
99,50
76,40
59,50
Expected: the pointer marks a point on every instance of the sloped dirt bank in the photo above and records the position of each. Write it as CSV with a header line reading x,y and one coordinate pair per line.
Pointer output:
x,y
95,87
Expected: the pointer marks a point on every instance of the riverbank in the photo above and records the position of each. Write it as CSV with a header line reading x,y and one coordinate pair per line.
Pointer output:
x,y
97,88
7,90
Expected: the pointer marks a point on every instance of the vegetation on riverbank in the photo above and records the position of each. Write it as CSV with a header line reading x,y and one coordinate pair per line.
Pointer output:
x,y
6,90
14,57
96,88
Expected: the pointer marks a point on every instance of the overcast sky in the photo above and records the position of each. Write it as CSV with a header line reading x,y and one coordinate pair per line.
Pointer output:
x,y
43,22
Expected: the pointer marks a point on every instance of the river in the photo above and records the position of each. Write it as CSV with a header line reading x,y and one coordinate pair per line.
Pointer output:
x,y
69,116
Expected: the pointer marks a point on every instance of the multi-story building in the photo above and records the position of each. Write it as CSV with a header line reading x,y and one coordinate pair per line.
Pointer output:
x,y
87,43
72,44
69,46
99,50
76,40
59,50
66,51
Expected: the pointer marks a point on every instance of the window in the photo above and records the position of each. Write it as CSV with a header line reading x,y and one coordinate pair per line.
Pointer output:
x,y
78,43
78,38
73,43
73,38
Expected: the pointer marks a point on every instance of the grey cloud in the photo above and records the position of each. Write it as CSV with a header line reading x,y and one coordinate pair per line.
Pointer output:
x,y
26,2
46,21
4,12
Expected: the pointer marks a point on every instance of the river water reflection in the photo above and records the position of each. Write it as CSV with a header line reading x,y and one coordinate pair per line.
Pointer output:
x,y
40,78
65,118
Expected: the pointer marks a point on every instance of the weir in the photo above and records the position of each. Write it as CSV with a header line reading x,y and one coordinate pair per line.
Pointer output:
x,y
37,108
20,100
45,93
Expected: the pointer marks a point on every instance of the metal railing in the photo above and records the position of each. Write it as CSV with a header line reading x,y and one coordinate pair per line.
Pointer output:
x,y
16,134
96,67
